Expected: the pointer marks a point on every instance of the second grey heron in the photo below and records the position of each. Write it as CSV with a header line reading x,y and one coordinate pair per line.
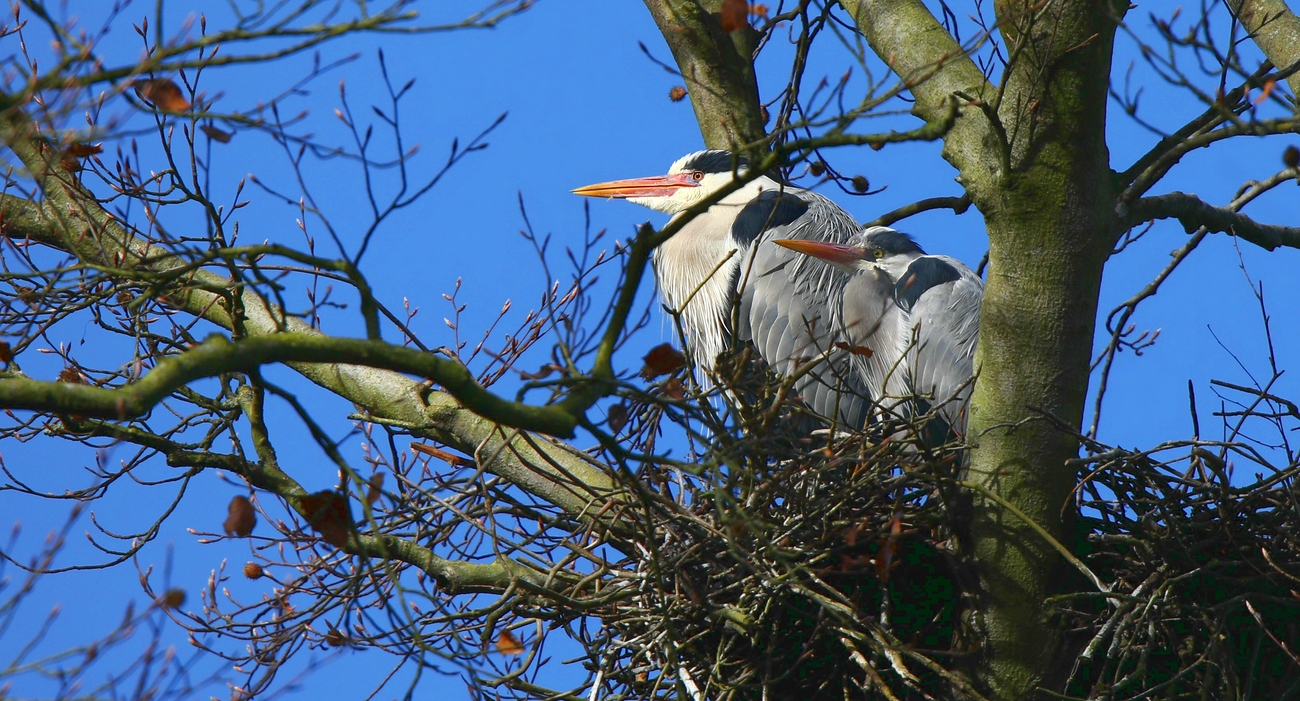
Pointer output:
x,y
914,316
723,263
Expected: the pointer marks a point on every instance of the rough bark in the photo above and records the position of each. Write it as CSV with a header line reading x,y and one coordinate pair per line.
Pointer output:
x,y
1049,220
1276,31
1034,161
718,68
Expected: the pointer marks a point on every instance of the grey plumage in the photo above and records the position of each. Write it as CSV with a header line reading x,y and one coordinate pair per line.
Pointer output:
x,y
917,314
723,262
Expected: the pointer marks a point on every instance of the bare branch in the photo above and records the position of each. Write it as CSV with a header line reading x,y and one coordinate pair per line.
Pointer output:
x,y
958,205
218,355
1276,31
1193,213
718,68
1218,122
551,472
907,37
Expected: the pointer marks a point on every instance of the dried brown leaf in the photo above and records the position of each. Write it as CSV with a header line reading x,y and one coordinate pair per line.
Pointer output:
x,y
71,376
1268,90
508,644
617,417
164,93
541,374
449,458
886,559
83,150
855,350
172,599
217,135
851,533
663,359
241,517
329,514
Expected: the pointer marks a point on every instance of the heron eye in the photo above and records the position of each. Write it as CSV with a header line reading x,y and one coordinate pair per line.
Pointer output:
x,y
697,176
879,253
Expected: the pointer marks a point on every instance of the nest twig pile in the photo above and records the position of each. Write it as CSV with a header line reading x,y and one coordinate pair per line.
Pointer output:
x,y
829,567
1205,576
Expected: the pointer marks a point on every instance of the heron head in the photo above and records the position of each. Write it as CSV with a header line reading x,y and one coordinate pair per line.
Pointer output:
x,y
691,179
875,247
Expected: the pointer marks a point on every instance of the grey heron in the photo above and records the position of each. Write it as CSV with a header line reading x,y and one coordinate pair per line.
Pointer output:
x,y
917,316
722,265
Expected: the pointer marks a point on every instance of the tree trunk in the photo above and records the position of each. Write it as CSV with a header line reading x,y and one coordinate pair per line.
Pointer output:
x,y
1035,163
1048,203
718,68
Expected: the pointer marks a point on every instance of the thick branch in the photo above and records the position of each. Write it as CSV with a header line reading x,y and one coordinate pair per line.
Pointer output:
x,y
958,205
218,355
1276,31
554,472
453,576
1193,213
718,68
906,36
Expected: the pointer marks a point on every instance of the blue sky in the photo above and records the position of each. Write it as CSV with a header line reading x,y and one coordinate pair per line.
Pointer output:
x,y
585,105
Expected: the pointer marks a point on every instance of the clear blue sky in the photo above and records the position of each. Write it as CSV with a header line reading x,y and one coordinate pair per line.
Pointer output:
x,y
585,105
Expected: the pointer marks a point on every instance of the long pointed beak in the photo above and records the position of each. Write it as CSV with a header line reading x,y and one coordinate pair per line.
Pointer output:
x,y
830,252
654,186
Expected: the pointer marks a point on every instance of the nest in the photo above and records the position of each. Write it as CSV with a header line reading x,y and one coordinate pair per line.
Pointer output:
x,y
1204,576
780,565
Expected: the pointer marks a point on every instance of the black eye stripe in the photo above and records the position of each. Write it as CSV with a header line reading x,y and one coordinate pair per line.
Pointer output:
x,y
888,241
712,162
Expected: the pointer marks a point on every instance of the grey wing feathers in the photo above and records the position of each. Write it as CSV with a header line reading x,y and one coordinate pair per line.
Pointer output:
x,y
790,304
771,209
946,319
922,275
877,328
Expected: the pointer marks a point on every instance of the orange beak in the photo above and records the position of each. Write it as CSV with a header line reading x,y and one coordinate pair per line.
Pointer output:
x,y
654,186
830,252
